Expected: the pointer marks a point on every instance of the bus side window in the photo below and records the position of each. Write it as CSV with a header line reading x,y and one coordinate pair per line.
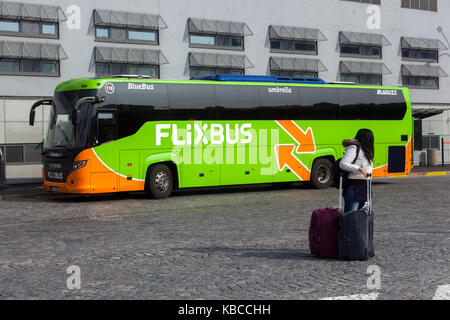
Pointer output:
x,y
390,107
319,103
106,126
356,104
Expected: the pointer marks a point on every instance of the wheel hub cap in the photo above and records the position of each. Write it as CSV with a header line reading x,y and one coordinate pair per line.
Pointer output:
x,y
323,174
162,181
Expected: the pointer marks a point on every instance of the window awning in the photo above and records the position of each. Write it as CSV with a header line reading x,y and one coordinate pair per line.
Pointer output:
x,y
409,70
296,64
200,59
128,19
422,113
129,55
359,67
31,50
295,33
363,39
218,27
28,11
421,43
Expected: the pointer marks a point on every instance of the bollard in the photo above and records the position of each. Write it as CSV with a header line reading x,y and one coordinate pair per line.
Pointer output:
x,y
442,151
432,157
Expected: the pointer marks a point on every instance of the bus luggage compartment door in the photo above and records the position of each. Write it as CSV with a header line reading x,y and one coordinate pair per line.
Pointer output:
x,y
129,164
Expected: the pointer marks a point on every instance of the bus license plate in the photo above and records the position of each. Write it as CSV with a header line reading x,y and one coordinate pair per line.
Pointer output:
x,y
53,189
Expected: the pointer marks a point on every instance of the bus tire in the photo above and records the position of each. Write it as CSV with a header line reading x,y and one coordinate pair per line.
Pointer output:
x,y
159,181
321,176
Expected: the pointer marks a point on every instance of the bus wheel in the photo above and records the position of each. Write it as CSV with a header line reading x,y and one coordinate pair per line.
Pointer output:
x,y
321,173
160,181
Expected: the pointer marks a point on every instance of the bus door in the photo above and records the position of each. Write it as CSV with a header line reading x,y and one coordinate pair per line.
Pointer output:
x,y
104,179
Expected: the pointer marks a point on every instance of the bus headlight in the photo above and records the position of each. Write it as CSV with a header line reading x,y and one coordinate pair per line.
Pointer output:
x,y
78,165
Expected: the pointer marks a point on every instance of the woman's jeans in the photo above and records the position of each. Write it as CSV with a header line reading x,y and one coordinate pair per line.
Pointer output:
x,y
349,198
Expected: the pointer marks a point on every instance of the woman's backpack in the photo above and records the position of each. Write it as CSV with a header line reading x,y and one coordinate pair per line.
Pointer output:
x,y
337,172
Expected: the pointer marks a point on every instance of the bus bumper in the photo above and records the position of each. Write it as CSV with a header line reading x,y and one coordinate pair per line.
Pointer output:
x,y
78,182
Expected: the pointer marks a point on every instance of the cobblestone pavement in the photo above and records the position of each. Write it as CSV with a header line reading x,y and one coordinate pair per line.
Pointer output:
x,y
251,244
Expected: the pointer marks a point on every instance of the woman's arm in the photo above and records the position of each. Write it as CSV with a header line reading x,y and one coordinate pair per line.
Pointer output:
x,y
349,157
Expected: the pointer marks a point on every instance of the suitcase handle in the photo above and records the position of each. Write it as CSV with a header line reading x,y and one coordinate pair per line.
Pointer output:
x,y
369,192
341,179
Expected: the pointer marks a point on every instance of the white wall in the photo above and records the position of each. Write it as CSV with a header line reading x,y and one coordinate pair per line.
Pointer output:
x,y
330,16
15,130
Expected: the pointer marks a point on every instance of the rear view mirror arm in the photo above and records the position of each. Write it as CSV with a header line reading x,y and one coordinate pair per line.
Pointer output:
x,y
37,104
92,100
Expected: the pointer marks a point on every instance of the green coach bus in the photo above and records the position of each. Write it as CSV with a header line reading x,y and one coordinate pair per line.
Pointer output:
x,y
132,133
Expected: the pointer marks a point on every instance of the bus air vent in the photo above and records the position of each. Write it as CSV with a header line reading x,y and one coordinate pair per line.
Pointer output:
x,y
256,78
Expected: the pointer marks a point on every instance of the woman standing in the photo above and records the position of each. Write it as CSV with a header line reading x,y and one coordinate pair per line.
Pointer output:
x,y
358,161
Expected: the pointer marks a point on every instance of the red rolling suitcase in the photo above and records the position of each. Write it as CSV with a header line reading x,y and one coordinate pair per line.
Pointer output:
x,y
323,230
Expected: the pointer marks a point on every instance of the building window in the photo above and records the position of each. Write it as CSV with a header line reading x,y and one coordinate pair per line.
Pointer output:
x,y
115,34
102,33
418,82
15,66
294,46
203,40
217,41
126,27
420,55
204,71
9,26
362,45
14,154
427,5
421,49
295,67
369,79
216,34
294,39
431,142
366,1
149,36
27,28
203,63
361,51
47,28
112,68
26,153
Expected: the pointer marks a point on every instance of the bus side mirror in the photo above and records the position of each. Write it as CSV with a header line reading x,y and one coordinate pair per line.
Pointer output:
x,y
35,105
32,115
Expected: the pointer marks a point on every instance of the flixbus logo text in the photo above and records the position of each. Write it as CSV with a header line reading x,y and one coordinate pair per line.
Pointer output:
x,y
199,133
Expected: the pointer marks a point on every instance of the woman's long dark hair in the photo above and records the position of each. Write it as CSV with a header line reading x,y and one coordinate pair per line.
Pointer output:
x,y
366,140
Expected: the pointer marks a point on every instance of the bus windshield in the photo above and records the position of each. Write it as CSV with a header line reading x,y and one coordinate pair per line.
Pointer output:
x,y
61,132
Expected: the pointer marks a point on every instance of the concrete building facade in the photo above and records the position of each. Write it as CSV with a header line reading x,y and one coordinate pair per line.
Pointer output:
x,y
45,42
